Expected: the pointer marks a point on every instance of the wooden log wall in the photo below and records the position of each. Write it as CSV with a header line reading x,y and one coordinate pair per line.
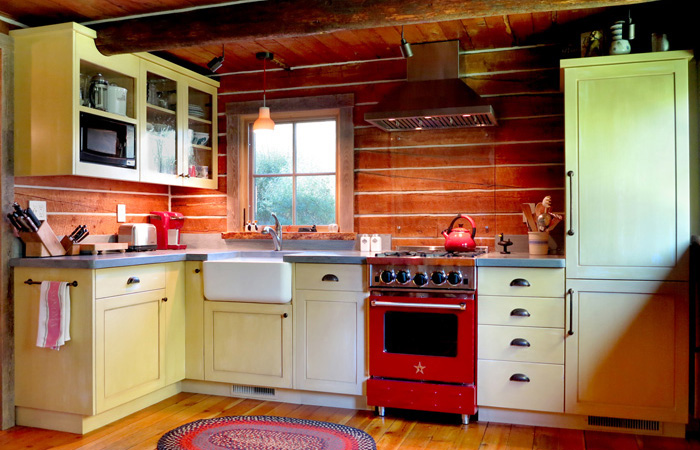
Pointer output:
x,y
407,184
411,184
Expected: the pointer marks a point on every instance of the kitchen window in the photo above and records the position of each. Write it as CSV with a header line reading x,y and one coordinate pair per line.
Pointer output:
x,y
292,172
303,172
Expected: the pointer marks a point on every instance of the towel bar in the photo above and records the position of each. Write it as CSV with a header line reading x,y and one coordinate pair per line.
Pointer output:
x,y
30,281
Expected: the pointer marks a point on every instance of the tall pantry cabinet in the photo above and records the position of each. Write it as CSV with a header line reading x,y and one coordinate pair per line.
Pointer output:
x,y
632,192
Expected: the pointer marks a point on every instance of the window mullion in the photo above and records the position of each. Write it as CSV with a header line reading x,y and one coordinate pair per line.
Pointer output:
x,y
294,174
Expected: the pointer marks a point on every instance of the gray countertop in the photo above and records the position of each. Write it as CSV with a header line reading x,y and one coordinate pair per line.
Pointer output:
x,y
108,260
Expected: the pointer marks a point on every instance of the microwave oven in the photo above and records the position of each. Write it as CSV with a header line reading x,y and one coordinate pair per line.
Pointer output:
x,y
107,141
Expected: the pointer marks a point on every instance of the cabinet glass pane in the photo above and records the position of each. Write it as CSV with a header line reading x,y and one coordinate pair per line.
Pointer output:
x,y
161,125
200,135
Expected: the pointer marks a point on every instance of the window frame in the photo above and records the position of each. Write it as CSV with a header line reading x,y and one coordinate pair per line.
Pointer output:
x,y
240,114
294,119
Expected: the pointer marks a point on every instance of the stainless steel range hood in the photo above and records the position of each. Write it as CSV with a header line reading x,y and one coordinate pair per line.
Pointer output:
x,y
433,97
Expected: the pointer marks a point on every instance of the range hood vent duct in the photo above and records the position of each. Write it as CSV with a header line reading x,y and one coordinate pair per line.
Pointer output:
x,y
433,97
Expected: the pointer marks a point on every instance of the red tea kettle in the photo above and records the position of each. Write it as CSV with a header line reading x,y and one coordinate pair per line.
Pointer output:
x,y
460,239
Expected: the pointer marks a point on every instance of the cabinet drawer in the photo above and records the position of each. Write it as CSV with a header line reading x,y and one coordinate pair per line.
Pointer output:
x,y
331,277
518,281
541,345
522,311
125,280
543,392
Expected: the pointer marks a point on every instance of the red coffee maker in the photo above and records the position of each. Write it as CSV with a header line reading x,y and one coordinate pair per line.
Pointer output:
x,y
168,225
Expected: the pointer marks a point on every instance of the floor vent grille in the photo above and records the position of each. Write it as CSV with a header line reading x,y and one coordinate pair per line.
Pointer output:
x,y
631,424
252,390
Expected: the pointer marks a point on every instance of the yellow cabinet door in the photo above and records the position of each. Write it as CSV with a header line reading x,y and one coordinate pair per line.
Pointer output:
x,y
329,341
248,343
175,314
129,347
629,167
628,354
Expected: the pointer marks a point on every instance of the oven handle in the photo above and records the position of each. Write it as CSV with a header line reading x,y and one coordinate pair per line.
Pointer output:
x,y
461,306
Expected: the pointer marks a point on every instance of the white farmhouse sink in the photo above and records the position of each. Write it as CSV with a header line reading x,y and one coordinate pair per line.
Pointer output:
x,y
253,277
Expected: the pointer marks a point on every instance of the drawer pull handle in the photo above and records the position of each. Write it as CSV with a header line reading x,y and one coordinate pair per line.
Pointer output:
x,y
521,377
570,174
519,342
520,312
133,280
570,293
520,282
330,277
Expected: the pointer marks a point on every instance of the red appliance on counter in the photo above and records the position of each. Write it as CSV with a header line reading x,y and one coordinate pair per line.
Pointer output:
x,y
422,332
168,225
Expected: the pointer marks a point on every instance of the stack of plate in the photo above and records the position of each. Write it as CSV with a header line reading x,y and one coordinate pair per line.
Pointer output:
x,y
196,111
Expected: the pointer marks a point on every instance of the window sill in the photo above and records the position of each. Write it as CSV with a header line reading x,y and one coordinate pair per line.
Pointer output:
x,y
292,236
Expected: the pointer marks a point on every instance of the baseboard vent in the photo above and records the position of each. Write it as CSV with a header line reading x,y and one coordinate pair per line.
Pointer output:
x,y
630,424
252,390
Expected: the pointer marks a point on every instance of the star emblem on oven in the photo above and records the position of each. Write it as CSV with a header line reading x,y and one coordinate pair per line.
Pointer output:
x,y
419,368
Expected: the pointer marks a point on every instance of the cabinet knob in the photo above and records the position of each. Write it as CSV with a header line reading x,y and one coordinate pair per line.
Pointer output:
x,y
520,282
197,270
330,277
133,280
520,377
519,342
520,312
285,315
165,299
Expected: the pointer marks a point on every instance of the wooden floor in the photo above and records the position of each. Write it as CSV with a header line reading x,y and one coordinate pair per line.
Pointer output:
x,y
399,430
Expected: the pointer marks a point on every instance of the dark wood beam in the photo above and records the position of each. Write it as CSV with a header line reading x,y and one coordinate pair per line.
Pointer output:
x,y
290,18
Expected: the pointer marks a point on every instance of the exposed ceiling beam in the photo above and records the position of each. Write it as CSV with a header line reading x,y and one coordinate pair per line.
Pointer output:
x,y
291,18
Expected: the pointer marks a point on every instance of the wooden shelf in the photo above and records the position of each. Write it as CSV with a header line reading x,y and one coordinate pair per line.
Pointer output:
x,y
109,115
199,120
160,109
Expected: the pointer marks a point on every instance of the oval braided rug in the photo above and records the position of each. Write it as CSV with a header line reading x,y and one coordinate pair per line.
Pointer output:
x,y
265,433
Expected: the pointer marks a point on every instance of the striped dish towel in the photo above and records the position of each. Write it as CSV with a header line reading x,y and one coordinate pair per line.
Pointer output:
x,y
54,315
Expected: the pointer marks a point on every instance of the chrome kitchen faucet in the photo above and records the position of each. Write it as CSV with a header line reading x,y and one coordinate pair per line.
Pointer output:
x,y
276,233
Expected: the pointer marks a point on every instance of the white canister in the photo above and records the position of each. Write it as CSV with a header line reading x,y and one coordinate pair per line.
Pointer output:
x,y
364,243
116,99
375,243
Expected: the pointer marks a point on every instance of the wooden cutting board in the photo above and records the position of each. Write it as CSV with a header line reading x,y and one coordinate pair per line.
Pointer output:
x,y
102,247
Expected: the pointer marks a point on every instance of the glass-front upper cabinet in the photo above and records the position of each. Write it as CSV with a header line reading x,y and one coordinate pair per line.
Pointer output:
x,y
200,137
160,158
178,144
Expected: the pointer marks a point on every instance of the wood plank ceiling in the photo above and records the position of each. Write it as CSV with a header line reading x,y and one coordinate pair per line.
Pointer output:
x,y
340,46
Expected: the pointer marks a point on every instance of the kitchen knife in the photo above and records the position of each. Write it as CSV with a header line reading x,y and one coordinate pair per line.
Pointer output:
x,y
33,217
15,223
82,236
75,232
23,218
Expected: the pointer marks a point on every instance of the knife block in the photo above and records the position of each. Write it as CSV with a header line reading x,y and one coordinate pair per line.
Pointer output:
x,y
42,242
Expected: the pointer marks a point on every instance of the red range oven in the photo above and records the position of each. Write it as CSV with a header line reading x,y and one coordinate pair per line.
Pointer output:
x,y
422,332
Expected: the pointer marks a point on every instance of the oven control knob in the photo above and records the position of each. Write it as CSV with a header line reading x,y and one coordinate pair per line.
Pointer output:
x,y
403,276
438,277
454,278
387,276
420,279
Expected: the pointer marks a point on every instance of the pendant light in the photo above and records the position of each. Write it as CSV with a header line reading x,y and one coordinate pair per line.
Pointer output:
x,y
263,122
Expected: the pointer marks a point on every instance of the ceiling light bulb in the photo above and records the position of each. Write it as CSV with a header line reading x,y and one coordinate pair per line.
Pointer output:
x,y
263,122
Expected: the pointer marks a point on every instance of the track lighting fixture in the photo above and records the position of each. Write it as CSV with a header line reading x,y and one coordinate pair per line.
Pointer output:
x,y
216,63
405,46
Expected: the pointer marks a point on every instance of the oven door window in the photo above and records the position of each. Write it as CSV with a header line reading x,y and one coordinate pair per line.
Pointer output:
x,y
420,333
